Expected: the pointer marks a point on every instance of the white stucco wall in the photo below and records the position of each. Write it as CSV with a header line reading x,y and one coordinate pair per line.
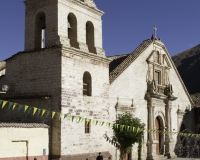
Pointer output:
x,y
19,142
130,87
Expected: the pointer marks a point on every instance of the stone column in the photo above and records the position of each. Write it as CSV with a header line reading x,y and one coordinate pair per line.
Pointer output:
x,y
150,126
167,139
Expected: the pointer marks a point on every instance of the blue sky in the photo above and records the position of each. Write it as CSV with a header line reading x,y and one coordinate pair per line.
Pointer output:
x,y
126,23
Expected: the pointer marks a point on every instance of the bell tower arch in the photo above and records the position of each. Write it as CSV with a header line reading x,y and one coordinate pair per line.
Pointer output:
x,y
70,23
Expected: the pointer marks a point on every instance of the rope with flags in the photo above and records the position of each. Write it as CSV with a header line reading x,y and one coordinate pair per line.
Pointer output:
x,y
59,116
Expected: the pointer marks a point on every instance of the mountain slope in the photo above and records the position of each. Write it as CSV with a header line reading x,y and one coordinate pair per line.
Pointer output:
x,y
188,65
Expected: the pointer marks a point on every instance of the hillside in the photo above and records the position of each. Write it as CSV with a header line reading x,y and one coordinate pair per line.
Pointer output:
x,y
188,65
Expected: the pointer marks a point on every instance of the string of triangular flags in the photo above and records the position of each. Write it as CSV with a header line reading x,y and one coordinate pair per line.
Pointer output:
x,y
111,140
53,114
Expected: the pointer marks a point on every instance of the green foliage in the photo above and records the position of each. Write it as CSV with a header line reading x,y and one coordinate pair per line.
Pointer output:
x,y
124,137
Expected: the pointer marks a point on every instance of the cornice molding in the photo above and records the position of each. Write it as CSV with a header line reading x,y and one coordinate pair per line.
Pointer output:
x,y
80,53
87,6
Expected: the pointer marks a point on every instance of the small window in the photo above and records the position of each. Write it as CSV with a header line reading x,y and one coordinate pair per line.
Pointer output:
x,y
87,127
87,84
157,77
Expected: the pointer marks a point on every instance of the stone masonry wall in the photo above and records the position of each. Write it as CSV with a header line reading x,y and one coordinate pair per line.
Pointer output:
x,y
49,7
31,76
74,139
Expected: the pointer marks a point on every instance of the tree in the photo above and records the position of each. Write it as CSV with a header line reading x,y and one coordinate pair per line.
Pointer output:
x,y
128,131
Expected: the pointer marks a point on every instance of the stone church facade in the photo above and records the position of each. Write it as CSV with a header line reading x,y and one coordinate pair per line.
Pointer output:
x,y
63,68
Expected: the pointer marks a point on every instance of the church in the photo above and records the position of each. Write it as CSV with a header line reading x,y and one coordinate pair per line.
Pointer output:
x,y
64,68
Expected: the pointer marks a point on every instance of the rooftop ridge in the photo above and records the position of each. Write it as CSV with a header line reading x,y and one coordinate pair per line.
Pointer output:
x,y
23,125
124,64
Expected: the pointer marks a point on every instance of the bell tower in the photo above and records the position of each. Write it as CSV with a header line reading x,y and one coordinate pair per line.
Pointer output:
x,y
70,23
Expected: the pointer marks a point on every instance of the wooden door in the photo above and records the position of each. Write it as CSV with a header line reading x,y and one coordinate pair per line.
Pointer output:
x,y
158,136
128,156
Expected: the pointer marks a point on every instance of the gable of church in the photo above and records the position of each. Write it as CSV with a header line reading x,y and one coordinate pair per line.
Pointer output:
x,y
159,67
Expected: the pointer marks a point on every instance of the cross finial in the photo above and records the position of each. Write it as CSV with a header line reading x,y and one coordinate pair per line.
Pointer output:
x,y
155,29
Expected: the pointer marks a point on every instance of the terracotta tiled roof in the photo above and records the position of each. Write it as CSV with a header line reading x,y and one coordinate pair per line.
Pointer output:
x,y
116,60
127,60
117,56
23,125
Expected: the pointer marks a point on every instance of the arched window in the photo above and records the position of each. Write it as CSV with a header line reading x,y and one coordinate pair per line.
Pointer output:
x,y
87,127
87,84
40,31
90,37
72,30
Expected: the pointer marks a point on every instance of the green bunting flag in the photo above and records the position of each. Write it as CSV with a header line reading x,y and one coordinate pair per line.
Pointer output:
x,y
1,101
10,105
48,112
96,122
39,110
126,128
57,115
29,109
102,123
20,107
73,118
65,115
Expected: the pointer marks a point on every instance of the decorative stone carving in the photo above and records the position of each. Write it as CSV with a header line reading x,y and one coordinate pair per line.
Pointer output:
x,y
169,92
149,76
151,87
124,106
90,3
167,81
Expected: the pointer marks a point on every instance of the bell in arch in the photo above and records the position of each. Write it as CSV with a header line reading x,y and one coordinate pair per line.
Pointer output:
x,y
69,26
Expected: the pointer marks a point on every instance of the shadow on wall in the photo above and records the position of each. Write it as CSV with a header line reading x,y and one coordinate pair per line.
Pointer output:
x,y
188,146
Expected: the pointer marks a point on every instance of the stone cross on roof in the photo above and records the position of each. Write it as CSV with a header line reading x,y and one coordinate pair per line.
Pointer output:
x,y
155,29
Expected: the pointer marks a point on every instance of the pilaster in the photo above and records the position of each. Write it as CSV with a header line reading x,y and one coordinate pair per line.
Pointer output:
x,y
150,126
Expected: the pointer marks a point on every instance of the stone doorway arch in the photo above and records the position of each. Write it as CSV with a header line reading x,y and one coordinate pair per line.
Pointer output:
x,y
159,125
